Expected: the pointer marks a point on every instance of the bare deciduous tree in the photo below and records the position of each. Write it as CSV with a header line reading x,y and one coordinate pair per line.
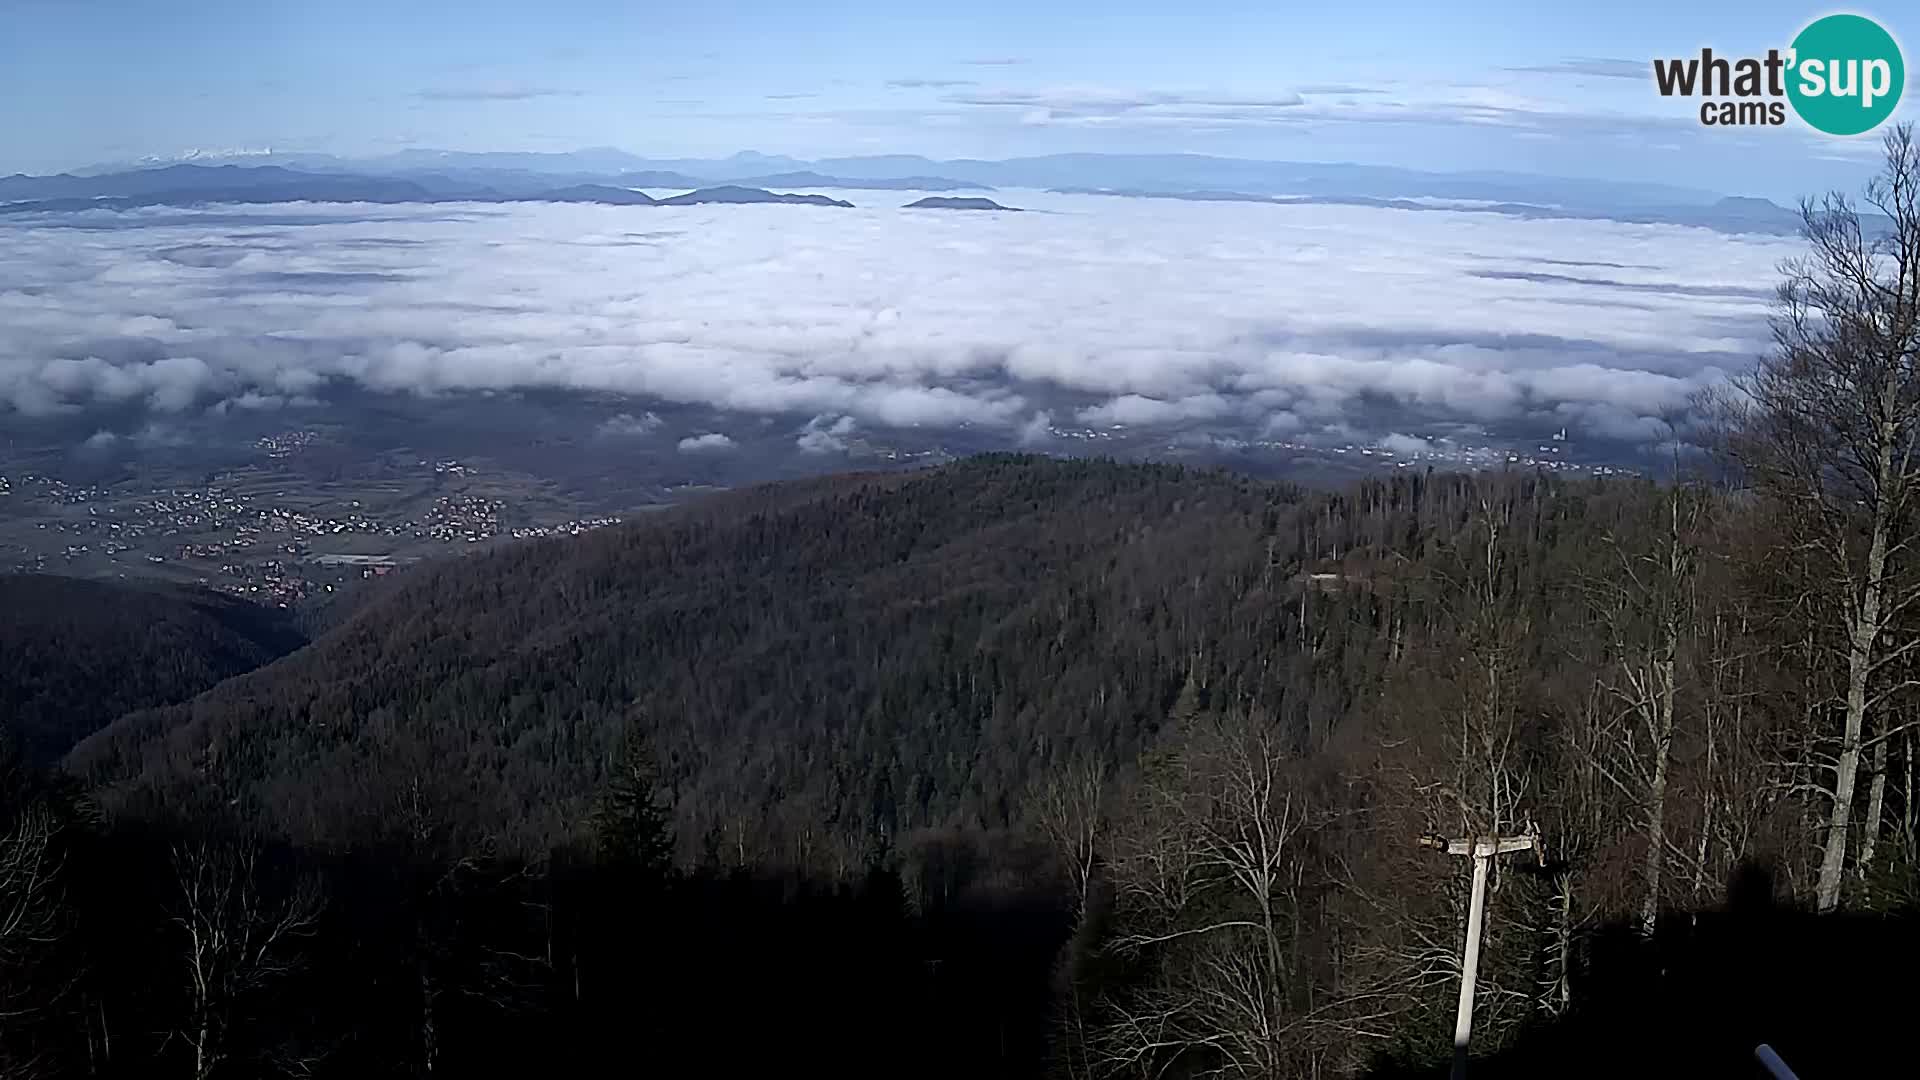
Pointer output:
x,y
1825,428
30,922
29,910
237,941
1648,605
1071,811
1491,779
1215,882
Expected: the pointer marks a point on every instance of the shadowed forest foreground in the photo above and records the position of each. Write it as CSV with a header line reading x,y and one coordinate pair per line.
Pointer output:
x,y
1025,767
177,955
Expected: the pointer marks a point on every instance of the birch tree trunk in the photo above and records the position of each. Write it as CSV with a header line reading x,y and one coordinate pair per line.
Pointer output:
x,y
1866,627
1650,604
1657,791
1908,819
1876,808
202,1051
1829,433
237,942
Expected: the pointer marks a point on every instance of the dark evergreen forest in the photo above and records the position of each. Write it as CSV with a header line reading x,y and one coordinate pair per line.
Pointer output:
x,y
892,762
76,654
1024,767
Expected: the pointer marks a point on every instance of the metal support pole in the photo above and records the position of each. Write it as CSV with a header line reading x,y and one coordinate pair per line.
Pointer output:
x,y
1470,962
1772,1063
1483,850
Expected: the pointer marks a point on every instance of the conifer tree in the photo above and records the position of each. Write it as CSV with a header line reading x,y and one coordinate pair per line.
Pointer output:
x,y
629,824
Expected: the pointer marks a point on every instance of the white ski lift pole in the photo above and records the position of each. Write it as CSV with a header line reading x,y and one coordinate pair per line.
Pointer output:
x,y
1483,850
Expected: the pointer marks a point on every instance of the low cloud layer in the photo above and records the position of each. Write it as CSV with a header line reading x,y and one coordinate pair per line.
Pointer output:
x,y
709,443
493,92
1303,320
1603,67
1104,101
927,84
826,435
629,426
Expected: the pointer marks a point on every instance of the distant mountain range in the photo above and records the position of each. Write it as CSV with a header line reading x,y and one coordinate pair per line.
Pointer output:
x,y
511,173
1737,215
195,185
1163,172
873,183
938,202
598,193
734,194
610,177
654,178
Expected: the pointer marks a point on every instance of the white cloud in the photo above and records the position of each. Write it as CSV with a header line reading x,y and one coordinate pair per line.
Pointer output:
x,y
1406,444
1546,112
1111,310
493,92
251,401
825,436
1134,410
705,444
1036,430
927,84
1107,101
1604,67
627,425
161,434
1279,425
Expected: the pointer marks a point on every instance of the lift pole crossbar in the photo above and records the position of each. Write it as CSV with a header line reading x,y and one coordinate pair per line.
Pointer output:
x,y
1483,850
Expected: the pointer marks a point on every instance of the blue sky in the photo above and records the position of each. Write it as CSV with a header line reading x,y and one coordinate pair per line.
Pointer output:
x,y
1552,88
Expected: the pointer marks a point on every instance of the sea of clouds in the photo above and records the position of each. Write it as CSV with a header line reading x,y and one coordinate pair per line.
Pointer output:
x,y
1296,321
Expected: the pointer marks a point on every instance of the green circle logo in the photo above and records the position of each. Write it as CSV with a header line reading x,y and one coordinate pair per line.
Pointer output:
x,y
1846,74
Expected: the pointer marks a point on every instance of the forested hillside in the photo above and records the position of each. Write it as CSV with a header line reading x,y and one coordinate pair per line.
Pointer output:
x,y
1053,701
75,654
1029,767
822,670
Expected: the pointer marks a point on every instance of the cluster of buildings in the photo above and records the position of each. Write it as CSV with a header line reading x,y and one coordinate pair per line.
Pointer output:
x,y
565,528
285,443
459,518
246,543
1085,434
1548,458
262,552
274,582
302,524
936,455
57,491
186,512
1551,457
